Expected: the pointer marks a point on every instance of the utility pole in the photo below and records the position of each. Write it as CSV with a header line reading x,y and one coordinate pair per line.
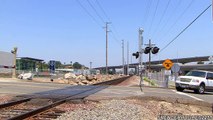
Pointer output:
x,y
150,47
14,51
127,58
123,56
90,65
140,44
107,47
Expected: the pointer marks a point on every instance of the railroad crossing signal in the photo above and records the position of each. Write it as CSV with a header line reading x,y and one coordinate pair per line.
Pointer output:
x,y
154,50
136,54
168,64
147,50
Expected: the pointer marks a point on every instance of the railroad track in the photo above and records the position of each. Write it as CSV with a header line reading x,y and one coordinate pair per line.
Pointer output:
x,y
22,109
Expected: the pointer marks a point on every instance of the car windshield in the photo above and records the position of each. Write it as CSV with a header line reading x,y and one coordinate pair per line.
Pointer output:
x,y
196,74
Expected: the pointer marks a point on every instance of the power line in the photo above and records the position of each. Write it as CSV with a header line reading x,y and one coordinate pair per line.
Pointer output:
x,y
147,11
153,17
105,14
99,5
172,13
186,27
116,39
164,12
93,18
179,17
96,12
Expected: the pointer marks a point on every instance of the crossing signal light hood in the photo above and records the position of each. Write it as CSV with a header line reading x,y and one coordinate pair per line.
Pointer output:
x,y
136,54
147,50
155,50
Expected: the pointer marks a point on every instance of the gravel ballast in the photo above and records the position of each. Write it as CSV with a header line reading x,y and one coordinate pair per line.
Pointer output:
x,y
132,109
106,110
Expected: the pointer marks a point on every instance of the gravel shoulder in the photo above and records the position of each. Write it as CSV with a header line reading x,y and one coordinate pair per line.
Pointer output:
x,y
130,109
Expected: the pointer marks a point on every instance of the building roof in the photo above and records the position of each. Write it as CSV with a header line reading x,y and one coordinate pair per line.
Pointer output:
x,y
29,58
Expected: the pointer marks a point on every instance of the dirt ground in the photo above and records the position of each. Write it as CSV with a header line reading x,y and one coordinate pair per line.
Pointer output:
x,y
4,98
153,108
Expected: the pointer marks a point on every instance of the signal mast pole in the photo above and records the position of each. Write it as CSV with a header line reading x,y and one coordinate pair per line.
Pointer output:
x,y
140,44
150,45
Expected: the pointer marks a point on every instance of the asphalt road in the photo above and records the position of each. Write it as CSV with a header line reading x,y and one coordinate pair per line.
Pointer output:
x,y
107,92
186,94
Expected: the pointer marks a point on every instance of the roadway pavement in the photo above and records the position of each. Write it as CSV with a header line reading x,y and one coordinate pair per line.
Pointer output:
x,y
22,88
164,94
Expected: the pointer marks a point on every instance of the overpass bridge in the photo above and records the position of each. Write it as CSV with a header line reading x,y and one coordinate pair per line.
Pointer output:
x,y
157,65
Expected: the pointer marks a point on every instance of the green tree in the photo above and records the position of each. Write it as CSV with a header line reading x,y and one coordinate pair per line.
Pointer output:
x,y
58,64
77,65
44,66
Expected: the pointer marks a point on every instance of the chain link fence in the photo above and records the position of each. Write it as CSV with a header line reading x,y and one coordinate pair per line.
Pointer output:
x,y
158,79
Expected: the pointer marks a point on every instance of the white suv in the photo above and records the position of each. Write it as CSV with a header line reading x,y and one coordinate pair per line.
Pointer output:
x,y
197,80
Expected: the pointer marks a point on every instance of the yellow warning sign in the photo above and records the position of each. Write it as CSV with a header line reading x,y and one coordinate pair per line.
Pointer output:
x,y
168,64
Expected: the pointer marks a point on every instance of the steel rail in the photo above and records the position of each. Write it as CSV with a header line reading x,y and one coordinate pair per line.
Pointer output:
x,y
72,97
14,103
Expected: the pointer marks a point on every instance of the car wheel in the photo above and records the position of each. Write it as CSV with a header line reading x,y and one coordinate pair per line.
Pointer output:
x,y
201,89
179,89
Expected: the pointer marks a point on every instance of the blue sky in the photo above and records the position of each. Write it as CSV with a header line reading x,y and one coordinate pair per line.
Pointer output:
x,y
62,29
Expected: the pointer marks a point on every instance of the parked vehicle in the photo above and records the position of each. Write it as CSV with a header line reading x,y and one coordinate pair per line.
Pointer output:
x,y
197,80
